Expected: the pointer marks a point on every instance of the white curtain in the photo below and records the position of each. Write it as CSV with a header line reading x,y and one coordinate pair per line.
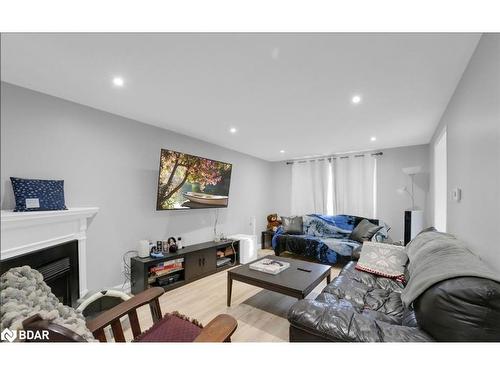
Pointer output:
x,y
354,181
342,185
310,187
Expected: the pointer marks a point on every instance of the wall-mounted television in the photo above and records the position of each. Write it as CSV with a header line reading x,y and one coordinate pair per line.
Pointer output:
x,y
188,182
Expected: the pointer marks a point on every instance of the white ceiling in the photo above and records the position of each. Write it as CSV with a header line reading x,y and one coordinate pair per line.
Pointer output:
x,y
281,91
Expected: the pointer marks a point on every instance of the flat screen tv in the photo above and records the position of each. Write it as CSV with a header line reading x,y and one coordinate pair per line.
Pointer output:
x,y
187,182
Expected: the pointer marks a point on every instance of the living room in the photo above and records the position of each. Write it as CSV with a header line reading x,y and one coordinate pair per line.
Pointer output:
x,y
342,187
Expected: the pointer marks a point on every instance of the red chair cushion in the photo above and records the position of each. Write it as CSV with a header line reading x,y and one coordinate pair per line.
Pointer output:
x,y
171,328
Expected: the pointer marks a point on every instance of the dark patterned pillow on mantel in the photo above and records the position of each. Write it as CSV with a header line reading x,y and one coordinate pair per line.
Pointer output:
x,y
38,195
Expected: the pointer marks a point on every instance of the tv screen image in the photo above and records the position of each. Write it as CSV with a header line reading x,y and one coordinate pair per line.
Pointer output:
x,y
187,182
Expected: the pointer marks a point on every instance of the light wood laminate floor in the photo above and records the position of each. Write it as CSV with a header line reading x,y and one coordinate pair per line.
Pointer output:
x,y
261,314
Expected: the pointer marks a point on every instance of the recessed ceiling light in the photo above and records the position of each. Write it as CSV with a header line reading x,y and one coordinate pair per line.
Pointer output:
x,y
356,99
282,151
373,139
118,81
233,130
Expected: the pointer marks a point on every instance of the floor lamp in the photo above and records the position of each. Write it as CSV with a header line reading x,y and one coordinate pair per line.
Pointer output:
x,y
413,219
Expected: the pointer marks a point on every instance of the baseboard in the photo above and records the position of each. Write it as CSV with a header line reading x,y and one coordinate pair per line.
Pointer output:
x,y
123,287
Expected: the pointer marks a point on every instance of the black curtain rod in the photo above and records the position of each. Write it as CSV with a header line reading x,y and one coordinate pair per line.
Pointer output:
x,y
333,158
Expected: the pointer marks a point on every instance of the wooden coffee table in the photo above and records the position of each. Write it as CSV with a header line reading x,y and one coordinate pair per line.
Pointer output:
x,y
296,281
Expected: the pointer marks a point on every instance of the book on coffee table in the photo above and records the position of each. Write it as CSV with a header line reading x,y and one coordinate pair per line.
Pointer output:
x,y
269,266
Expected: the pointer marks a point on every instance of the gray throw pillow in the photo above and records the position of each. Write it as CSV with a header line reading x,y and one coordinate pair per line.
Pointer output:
x,y
292,224
364,231
383,259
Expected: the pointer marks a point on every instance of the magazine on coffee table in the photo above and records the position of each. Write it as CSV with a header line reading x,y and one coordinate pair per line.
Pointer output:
x,y
269,266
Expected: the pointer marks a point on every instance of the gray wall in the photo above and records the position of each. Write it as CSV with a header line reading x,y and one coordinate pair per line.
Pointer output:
x,y
281,191
391,204
112,162
472,119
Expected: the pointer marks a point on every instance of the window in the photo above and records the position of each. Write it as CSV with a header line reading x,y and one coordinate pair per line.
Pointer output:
x,y
339,185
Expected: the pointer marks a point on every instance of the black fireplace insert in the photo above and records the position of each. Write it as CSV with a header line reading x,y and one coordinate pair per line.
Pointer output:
x,y
58,265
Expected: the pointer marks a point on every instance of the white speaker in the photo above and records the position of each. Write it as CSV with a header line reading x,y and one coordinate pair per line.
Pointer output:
x,y
143,248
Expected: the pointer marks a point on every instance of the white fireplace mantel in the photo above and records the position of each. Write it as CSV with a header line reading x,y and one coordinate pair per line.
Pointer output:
x,y
25,232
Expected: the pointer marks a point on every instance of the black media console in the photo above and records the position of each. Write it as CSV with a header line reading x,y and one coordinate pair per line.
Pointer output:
x,y
187,264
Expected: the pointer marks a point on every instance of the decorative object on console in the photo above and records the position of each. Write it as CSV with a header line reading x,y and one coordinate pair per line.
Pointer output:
x,y
38,195
155,253
383,259
172,245
364,231
217,236
179,243
165,246
273,222
292,225
159,246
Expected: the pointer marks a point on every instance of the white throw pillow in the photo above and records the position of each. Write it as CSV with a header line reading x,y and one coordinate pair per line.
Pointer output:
x,y
383,259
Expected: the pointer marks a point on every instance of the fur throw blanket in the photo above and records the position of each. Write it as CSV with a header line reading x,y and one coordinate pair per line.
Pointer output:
x,y
23,293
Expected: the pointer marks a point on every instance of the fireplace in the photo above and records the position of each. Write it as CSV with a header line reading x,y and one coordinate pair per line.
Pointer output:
x,y
59,266
28,233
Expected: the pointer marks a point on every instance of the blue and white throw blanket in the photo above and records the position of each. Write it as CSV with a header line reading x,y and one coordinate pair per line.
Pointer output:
x,y
325,237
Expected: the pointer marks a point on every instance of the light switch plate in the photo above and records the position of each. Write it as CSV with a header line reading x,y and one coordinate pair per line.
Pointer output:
x,y
456,194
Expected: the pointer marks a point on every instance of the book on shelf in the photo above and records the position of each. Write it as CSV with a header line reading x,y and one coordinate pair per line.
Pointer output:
x,y
167,265
164,268
165,271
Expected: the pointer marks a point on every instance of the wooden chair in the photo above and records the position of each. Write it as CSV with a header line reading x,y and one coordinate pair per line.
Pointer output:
x,y
168,328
